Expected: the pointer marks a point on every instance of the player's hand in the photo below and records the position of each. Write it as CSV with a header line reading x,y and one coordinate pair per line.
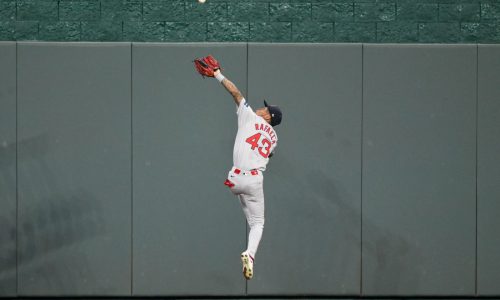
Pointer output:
x,y
207,66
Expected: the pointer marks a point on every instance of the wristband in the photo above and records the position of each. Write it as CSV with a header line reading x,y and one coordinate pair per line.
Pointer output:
x,y
219,77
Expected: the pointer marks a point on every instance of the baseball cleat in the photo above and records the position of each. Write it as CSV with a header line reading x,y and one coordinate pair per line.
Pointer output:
x,y
247,261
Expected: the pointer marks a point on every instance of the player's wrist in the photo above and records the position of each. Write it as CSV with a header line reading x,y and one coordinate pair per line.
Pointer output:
x,y
219,76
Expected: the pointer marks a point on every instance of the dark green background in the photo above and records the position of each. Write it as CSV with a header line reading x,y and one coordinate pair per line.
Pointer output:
x,y
368,21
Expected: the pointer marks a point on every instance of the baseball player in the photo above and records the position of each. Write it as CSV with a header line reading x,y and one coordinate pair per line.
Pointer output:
x,y
254,144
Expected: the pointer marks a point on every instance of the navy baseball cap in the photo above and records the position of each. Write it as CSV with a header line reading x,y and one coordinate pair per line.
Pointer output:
x,y
275,112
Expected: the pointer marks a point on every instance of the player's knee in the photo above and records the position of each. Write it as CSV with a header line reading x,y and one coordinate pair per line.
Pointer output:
x,y
257,222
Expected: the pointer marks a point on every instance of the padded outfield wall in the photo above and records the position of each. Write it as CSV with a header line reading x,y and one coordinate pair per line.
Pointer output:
x,y
113,158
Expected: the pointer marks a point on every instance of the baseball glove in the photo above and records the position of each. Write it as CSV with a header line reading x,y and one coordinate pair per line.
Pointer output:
x,y
206,66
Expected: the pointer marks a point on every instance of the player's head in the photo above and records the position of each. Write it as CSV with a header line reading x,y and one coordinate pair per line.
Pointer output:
x,y
270,113
275,114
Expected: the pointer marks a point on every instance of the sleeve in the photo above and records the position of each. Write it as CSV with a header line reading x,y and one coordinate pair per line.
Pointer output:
x,y
273,148
245,113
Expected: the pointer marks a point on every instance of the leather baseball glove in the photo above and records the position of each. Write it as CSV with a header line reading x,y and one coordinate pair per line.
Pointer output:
x,y
206,66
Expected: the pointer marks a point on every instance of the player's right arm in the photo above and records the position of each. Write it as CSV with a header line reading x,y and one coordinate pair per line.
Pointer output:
x,y
231,88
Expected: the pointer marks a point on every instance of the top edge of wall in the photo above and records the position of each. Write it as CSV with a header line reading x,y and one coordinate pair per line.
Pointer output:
x,y
74,44
5,43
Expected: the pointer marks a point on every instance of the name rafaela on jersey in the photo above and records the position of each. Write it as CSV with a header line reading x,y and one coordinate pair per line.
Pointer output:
x,y
267,129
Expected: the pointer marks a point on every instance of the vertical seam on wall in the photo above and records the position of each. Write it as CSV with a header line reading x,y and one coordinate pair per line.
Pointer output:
x,y
361,194
248,91
17,181
131,175
477,155
246,223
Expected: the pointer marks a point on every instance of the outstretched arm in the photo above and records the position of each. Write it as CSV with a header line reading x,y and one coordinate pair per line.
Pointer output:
x,y
230,87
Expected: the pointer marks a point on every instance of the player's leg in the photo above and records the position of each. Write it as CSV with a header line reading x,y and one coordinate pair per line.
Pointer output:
x,y
244,206
253,206
256,224
246,258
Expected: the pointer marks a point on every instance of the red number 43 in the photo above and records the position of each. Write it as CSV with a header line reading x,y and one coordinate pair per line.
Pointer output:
x,y
254,142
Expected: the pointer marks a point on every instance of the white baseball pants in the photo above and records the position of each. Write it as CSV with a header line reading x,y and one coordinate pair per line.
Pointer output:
x,y
248,186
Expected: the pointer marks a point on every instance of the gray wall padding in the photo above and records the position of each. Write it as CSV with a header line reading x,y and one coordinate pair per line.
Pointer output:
x,y
188,228
74,171
488,168
8,265
311,243
122,151
419,147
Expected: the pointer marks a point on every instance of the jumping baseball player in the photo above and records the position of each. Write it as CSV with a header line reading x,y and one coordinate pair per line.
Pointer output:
x,y
254,144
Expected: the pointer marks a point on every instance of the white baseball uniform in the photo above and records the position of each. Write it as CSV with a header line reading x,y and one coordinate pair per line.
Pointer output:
x,y
255,141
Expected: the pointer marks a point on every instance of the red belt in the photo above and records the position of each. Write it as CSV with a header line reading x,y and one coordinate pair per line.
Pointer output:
x,y
252,172
237,171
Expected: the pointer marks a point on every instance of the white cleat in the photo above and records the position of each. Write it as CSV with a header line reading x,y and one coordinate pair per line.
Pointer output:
x,y
247,261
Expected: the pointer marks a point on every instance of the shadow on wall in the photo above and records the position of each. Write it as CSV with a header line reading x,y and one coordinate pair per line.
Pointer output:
x,y
7,218
386,250
49,219
327,195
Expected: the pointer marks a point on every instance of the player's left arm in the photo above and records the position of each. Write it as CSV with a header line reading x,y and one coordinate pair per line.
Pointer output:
x,y
230,87
209,66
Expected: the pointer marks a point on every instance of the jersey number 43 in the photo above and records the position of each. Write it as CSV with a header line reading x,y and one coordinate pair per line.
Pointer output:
x,y
265,149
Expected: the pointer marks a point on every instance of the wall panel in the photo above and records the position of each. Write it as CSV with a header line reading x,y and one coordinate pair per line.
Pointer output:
x,y
311,241
419,170
188,228
8,265
488,181
74,169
